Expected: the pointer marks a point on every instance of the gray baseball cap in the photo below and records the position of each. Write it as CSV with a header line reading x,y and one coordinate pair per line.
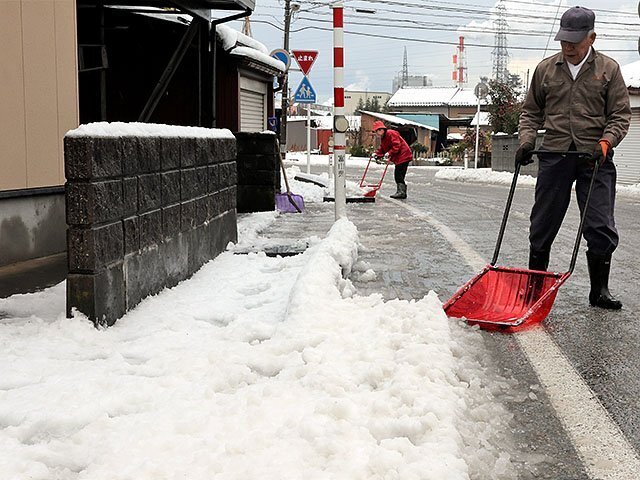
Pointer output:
x,y
575,24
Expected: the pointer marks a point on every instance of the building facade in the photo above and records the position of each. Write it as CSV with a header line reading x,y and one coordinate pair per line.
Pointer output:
x,y
66,62
354,99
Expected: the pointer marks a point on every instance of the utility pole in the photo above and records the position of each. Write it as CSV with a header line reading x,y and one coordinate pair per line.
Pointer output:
x,y
285,86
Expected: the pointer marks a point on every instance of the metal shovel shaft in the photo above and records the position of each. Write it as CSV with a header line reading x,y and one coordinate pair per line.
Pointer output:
x,y
514,182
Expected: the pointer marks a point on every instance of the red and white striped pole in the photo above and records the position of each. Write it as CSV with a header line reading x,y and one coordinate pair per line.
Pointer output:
x,y
340,123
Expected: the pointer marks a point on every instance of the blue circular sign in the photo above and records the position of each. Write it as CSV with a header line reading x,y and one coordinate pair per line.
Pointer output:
x,y
283,56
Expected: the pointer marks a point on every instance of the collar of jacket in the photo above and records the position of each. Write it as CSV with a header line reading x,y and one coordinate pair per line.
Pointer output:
x,y
561,62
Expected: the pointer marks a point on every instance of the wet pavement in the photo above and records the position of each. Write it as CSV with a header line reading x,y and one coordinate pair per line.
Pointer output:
x,y
32,275
410,258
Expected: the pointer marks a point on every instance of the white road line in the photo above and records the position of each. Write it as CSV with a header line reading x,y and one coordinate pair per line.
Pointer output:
x,y
603,448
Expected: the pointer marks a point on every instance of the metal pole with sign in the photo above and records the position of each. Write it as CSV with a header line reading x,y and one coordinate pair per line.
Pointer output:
x,y
481,91
340,123
308,138
305,93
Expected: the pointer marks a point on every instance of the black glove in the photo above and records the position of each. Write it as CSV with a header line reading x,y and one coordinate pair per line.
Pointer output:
x,y
524,155
601,153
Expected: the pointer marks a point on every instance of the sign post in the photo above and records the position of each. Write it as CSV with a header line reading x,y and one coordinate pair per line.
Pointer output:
x,y
339,119
481,91
305,92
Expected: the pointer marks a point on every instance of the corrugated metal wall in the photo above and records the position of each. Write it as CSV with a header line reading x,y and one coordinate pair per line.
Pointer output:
x,y
627,155
253,105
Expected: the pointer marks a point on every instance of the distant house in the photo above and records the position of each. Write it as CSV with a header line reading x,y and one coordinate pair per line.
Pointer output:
x,y
426,134
456,106
321,132
355,99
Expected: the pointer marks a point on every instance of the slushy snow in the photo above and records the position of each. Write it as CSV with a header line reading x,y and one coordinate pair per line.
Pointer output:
x,y
256,367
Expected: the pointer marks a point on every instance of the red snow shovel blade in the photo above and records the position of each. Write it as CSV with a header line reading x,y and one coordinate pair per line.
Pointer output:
x,y
501,297
289,203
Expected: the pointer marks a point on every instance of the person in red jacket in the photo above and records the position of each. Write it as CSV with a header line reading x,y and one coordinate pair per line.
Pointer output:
x,y
399,154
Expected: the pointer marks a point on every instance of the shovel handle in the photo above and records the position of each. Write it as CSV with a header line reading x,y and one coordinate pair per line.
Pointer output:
x,y
562,152
505,217
286,182
284,174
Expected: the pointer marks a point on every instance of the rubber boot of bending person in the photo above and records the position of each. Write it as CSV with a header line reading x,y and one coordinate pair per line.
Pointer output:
x,y
599,296
538,260
401,191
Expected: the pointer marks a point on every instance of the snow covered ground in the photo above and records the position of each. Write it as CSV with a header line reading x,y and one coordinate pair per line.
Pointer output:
x,y
256,367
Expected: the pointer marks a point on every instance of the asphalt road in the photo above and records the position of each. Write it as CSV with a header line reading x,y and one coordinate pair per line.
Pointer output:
x,y
411,258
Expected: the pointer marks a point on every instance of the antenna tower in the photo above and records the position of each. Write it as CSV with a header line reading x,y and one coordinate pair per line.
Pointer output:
x,y
405,70
500,53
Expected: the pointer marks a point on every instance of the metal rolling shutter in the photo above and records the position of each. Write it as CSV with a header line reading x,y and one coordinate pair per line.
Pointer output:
x,y
627,154
253,105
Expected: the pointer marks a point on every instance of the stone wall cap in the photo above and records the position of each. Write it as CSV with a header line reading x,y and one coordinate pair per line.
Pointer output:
x,y
135,129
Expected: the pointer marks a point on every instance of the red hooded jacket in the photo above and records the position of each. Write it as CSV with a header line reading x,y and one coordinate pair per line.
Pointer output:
x,y
392,143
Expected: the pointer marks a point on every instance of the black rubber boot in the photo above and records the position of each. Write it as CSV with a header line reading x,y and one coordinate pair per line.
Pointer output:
x,y
538,260
401,191
599,296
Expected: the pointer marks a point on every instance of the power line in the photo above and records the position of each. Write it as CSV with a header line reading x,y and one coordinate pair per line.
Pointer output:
x,y
469,12
417,25
421,40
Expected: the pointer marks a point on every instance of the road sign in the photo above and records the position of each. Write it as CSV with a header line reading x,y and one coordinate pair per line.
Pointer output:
x,y
481,91
305,92
282,55
305,59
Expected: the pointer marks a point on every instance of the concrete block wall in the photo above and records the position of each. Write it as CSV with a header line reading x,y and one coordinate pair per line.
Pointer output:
x,y
503,154
258,171
144,211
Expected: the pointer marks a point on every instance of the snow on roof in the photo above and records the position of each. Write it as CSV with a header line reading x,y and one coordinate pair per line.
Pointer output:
x,y
241,45
232,38
422,96
465,98
397,120
135,129
484,119
259,56
433,97
631,74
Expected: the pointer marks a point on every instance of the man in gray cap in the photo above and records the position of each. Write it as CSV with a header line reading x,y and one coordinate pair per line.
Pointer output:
x,y
580,98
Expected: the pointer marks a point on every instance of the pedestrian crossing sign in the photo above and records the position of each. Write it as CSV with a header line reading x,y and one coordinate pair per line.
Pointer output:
x,y
305,92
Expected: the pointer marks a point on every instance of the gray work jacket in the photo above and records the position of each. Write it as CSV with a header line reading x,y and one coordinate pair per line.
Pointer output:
x,y
592,107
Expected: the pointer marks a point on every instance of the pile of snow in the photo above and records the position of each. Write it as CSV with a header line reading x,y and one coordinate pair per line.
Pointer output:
x,y
482,175
486,175
256,367
135,129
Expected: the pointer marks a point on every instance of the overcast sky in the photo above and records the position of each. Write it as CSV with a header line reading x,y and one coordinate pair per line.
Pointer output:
x,y
429,29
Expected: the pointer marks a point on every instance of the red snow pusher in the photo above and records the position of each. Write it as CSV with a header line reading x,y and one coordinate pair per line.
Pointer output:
x,y
373,187
508,298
